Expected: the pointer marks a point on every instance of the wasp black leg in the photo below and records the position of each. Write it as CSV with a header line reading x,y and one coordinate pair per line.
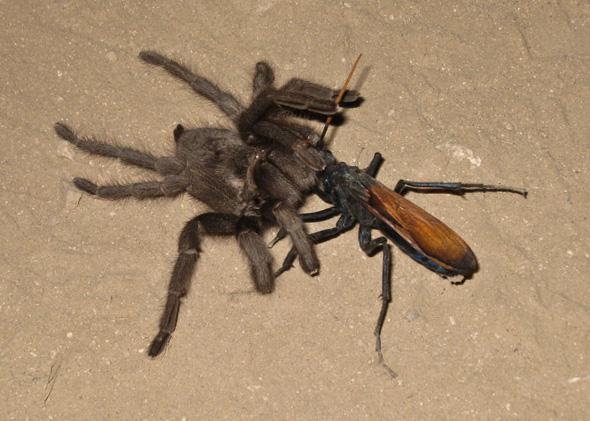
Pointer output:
x,y
307,217
316,238
374,165
403,186
323,196
320,215
344,224
370,247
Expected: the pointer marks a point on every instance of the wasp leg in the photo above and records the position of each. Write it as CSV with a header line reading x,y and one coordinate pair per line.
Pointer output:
x,y
316,238
374,165
370,247
320,215
344,224
403,186
307,217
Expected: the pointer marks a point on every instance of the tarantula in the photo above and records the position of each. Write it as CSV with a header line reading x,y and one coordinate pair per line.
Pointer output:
x,y
251,178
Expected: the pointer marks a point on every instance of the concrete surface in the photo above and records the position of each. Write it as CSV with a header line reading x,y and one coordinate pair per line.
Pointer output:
x,y
497,92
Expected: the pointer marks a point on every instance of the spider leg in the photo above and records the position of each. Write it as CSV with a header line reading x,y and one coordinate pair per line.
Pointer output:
x,y
344,224
303,177
305,102
316,238
269,178
171,185
297,94
288,220
274,183
319,92
261,118
403,186
309,99
280,178
165,165
258,256
188,253
264,77
303,132
225,101
303,150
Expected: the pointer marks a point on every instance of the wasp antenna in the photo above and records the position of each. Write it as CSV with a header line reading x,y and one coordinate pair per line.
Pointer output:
x,y
321,144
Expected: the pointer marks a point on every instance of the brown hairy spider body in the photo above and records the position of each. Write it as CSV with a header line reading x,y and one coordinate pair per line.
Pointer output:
x,y
251,178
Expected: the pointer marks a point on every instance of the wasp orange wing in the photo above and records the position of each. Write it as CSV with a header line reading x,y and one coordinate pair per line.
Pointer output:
x,y
421,230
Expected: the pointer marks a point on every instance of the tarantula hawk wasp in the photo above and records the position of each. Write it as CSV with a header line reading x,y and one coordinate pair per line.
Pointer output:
x,y
358,198
251,178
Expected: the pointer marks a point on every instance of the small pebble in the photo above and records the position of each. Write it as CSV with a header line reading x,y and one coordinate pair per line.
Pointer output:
x,y
412,315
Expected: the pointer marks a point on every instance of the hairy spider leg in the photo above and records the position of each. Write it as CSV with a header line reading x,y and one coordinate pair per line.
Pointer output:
x,y
345,223
170,186
225,101
167,165
210,224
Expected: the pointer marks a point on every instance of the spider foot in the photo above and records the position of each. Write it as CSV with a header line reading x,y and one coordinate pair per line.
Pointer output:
x,y
86,185
65,132
152,57
158,344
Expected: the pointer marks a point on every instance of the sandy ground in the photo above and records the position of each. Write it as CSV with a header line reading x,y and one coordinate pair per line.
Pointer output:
x,y
454,91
